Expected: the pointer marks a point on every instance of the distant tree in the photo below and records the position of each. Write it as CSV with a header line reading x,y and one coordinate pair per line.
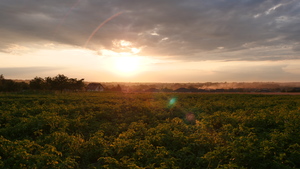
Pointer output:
x,y
24,86
80,84
60,82
8,85
48,83
74,84
116,89
37,83
1,81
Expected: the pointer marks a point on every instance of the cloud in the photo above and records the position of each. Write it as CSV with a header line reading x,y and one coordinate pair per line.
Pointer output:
x,y
12,72
185,30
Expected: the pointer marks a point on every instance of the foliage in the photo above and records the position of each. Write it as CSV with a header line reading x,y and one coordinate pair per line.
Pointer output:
x,y
59,82
7,85
147,130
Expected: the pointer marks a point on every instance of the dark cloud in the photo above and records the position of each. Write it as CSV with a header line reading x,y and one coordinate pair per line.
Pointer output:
x,y
187,30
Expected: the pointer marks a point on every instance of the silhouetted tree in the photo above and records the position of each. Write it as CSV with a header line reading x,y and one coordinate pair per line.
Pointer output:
x,y
8,85
59,82
116,89
37,83
1,81
48,83
74,84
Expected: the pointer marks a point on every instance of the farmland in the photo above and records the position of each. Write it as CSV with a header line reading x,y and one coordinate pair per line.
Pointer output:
x,y
149,130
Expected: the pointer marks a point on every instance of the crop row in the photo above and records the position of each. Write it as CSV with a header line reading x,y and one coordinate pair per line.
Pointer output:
x,y
147,130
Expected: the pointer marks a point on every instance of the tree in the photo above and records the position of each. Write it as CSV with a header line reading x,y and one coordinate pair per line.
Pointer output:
x,y
37,83
74,84
60,82
48,83
8,85
1,81
116,89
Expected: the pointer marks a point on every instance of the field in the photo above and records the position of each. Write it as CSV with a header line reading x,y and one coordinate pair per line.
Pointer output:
x,y
149,130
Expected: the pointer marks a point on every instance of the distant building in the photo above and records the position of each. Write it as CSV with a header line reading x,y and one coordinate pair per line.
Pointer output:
x,y
97,87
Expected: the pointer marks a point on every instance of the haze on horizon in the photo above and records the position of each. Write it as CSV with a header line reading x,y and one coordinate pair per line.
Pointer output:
x,y
151,41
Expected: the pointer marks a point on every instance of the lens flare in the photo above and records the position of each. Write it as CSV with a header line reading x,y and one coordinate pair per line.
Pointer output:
x,y
172,101
190,117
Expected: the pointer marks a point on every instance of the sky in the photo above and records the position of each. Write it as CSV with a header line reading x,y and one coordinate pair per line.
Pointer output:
x,y
151,41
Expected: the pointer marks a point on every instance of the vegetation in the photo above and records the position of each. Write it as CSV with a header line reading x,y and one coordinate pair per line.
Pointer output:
x,y
147,130
57,83
7,85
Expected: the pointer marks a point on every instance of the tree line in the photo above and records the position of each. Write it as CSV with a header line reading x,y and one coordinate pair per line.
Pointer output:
x,y
57,83
8,85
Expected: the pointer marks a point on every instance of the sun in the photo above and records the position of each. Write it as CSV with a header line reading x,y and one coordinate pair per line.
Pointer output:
x,y
127,65
124,59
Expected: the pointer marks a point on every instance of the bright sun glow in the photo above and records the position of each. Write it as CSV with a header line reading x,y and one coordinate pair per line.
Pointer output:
x,y
124,43
127,65
125,61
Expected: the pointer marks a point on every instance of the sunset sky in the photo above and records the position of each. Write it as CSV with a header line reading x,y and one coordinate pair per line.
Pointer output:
x,y
151,40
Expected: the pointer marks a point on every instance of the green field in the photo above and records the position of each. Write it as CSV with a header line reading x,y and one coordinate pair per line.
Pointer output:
x,y
149,130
